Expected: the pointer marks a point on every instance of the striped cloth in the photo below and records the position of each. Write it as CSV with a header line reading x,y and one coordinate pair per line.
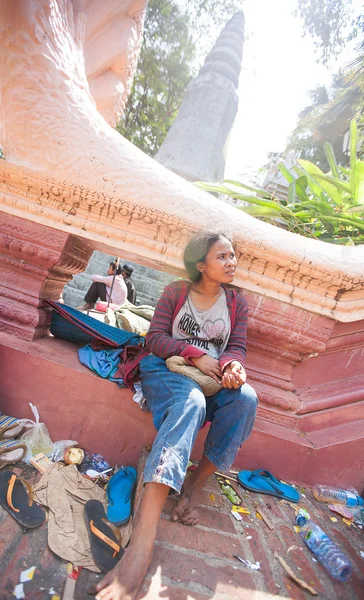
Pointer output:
x,y
159,339
7,423
7,444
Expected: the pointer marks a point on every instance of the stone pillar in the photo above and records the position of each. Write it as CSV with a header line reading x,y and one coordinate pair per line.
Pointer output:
x,y
35,263
195,146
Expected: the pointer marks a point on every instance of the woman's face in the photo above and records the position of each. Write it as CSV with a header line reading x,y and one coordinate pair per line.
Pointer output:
x,y
220,262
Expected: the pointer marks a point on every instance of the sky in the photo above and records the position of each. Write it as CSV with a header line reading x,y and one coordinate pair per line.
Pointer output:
x,y
279,68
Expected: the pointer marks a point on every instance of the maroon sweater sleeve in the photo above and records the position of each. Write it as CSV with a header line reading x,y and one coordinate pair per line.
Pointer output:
x,y
159,339
236,347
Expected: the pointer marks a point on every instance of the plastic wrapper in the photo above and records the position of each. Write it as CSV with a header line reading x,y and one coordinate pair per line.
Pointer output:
x,y
59,448
37,438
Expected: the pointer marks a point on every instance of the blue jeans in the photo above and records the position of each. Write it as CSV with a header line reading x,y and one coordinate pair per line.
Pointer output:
x,y
179,410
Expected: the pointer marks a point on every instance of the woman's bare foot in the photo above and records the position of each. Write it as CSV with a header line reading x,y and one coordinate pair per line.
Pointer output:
x,y
124,581
186,510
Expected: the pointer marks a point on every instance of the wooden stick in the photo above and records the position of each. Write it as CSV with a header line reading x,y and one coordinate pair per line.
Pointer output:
x,y
299,581
127,529
265,518
226,477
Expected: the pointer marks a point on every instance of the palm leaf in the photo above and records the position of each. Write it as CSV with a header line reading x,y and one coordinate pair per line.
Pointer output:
x,y
331,159
326,186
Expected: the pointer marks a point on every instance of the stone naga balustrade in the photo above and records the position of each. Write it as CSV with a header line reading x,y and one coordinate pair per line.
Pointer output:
x,y
70,184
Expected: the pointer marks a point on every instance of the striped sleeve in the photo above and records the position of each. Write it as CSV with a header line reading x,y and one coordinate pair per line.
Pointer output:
x,y
236,348
159,339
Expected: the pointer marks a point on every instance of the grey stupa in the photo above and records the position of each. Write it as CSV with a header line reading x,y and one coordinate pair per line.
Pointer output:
x,y
195,146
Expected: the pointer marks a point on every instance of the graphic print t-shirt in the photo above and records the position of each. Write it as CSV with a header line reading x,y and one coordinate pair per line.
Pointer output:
x,y
208,330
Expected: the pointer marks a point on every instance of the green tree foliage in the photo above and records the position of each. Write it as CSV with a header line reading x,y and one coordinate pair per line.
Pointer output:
x,y
331,23
325,206
174,35
328,118
164,71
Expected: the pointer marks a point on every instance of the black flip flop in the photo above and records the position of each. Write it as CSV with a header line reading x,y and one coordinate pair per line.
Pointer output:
x,y
16,496
104,537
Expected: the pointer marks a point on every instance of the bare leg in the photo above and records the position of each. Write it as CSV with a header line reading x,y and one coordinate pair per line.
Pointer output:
x,y
124,581
185,510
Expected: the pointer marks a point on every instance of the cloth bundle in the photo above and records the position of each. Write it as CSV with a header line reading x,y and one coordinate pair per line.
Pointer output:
x,y
64,491
178,364
135,319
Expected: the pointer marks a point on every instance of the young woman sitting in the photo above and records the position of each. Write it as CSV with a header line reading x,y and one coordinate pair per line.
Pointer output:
x,y
204,322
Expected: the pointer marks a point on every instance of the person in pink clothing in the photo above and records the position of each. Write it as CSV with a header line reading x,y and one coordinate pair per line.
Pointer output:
x,y
101,288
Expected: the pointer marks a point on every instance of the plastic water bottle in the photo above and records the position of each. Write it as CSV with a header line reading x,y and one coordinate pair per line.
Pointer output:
x,y
358,514
326,493
302,517
329,554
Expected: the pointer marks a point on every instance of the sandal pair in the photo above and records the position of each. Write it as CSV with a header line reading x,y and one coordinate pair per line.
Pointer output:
x,y
16,496
11,451
105,538
10,427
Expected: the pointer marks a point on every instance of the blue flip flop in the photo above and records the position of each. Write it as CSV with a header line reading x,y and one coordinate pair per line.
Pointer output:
x,y
263,482
119,493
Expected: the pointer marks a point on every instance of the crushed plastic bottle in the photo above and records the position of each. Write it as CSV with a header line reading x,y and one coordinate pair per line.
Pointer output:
x,y
329,554
326,493
358,515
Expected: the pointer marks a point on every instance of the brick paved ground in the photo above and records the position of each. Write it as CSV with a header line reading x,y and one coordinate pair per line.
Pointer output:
x,y
197,563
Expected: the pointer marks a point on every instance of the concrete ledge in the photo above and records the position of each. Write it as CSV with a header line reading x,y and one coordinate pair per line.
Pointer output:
x,y
77,404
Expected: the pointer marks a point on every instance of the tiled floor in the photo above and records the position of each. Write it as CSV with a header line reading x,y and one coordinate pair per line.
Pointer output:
x,y
197,563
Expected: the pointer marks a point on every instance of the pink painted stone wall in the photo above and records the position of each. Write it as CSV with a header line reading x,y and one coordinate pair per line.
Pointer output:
x,y
75,178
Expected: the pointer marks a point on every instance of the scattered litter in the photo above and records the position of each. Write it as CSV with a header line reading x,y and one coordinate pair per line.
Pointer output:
x,y
341,510
241,509
237,515
302,517
299,581
347,522
249,537
56,597
259,516
297,528
292,548
287,503
41,462
19,591
52,592
194,571
362,553
333,519
264,517
27,575
314,559
212,497
37,437
230,492
303,495
247,563
226,477
95,474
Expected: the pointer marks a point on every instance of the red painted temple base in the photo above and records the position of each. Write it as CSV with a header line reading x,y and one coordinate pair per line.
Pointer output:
x,y
324,446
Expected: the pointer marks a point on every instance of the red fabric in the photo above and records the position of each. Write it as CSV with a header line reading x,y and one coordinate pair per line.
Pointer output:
x,y
159,339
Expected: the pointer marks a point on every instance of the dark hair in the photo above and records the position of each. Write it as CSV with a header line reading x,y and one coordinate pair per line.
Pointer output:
x,y
196,251
113,266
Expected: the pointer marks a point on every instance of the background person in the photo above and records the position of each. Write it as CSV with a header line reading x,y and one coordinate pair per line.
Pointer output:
x,y
127,272
101,288
204,322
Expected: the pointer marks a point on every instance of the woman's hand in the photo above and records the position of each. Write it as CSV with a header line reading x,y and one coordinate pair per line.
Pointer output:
x,y
234,375
208,365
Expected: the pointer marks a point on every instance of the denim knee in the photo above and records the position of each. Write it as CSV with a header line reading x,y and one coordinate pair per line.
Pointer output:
x,y
247,401
194,404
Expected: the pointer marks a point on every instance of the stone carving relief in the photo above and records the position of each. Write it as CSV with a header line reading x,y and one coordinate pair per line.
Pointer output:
x,y
81,176
34,263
